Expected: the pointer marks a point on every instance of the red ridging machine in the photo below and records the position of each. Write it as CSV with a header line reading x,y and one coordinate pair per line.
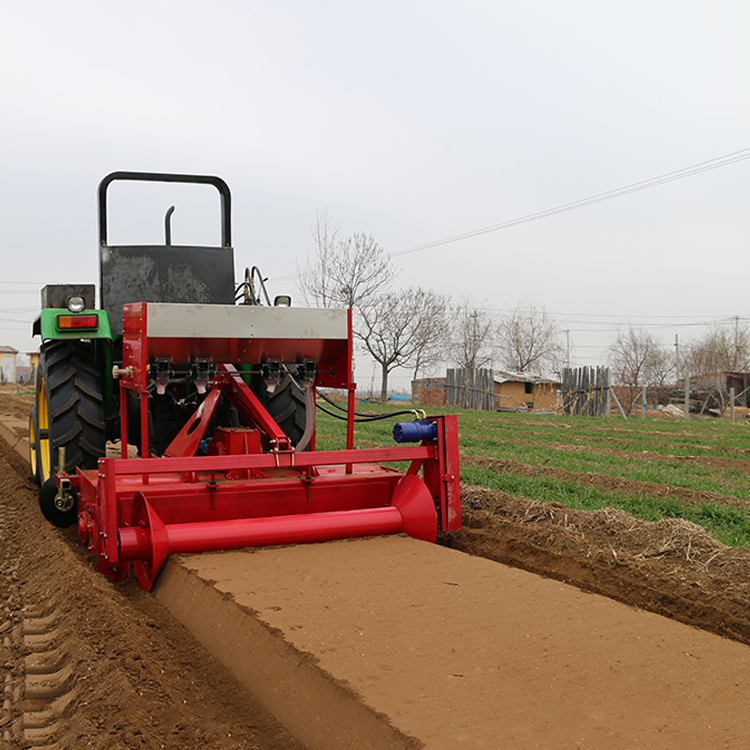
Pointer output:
x,y
220,399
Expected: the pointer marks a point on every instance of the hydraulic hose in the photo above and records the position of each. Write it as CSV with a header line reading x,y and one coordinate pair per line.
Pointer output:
x,y
309,417
360,417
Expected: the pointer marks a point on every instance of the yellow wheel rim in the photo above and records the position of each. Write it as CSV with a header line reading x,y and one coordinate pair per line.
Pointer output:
x,y
32,446
43,448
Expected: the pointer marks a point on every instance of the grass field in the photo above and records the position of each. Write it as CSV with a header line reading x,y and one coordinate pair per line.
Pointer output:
x,y
708,459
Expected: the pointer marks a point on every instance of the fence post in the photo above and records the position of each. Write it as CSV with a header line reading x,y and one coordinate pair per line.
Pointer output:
x,y
687,396
619,405
731,404
586,391
607,385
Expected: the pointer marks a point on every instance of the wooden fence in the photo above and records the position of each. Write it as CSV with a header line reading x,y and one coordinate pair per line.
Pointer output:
x,y
470,390
586,391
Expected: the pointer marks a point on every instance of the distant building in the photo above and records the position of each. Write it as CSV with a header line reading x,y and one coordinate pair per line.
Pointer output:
x,y
428,392
523,390
33,366
723,380
26,365
8,364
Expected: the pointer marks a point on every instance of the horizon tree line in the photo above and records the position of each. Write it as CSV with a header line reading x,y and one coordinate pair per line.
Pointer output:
x,y
419,329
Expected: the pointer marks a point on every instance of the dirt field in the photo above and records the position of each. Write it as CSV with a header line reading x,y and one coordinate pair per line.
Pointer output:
x,y
87,664
90,664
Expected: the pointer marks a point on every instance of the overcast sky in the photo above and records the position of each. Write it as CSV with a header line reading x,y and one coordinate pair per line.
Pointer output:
x,y
411,121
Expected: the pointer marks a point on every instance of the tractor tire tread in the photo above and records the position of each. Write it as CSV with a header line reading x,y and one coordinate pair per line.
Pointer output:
x,y
74,403
287,407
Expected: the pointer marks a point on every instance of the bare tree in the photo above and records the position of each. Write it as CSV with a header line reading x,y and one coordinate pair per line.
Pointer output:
x,y
403,328
638,360
315,281
722,348
344,272
529,339
472,337
431,311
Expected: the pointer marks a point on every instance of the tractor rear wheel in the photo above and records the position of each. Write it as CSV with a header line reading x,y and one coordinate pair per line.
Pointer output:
x,y
70,409
287,407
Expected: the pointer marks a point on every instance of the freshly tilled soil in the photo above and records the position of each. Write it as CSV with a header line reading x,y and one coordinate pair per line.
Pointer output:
x,y
671,567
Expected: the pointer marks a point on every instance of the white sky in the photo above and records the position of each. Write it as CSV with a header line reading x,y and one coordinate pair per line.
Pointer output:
x,y
410,121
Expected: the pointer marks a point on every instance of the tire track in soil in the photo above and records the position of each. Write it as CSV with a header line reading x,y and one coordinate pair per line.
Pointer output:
x,y
86,664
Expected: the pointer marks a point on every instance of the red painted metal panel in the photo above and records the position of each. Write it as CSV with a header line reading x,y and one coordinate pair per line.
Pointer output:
x,y
187,440
134,349
250,409
269,461
235,441
452,476
332,355
188,538
185,501
149,540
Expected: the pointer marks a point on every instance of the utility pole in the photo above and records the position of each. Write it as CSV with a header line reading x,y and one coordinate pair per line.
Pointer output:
x,y
676,358
736,341
474,317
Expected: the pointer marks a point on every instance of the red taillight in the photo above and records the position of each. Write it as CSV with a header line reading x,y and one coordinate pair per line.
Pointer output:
x,y
68,322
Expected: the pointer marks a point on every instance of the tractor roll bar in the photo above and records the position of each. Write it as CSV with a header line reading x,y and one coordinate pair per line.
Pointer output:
x,y
217,182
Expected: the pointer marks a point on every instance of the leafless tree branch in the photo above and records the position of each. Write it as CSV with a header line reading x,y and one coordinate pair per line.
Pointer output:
x,y
344,272
637,360
529,339
472,336
403,328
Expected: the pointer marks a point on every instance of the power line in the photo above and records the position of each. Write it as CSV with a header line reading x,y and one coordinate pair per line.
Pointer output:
x,y
655,316
679,174
10,283
596,324
705,166
647,316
